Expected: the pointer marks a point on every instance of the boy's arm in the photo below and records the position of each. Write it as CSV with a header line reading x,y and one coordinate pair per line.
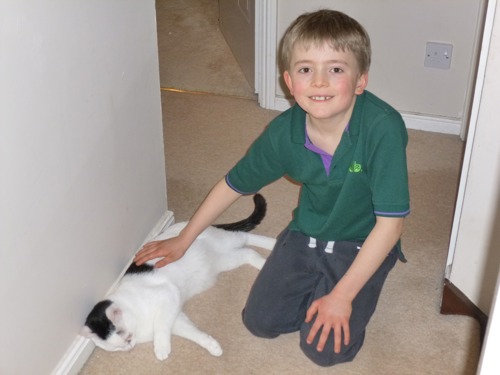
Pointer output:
x,y
217,201
334,309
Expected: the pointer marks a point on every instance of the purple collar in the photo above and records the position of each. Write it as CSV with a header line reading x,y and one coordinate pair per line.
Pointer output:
x,y
326,158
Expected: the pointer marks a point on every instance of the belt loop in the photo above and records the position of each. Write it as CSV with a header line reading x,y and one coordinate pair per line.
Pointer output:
x,y
329,247
312,243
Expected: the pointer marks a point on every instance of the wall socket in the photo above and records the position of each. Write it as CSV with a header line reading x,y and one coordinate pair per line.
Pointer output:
x,y
438,55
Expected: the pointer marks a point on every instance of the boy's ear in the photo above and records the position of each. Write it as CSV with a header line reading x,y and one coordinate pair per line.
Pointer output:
x,y
362,83
288,81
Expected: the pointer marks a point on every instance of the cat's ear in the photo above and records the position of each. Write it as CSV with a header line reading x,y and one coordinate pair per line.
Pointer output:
x,y
114,313
86,332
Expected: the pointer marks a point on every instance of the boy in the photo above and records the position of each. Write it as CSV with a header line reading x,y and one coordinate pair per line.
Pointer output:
x,y
347,149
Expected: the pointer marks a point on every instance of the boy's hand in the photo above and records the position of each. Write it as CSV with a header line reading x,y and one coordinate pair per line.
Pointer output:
x,y
332,312
170,250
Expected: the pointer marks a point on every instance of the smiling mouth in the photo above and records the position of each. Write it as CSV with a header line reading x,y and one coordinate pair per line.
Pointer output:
x,y
321,98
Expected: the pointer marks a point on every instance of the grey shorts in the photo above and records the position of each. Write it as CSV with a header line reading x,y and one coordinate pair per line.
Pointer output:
x,y
296,274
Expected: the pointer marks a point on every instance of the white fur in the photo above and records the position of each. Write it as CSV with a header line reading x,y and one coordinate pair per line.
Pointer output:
x,y
148,306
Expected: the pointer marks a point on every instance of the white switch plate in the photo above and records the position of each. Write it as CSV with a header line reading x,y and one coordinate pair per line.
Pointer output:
x,y
438,55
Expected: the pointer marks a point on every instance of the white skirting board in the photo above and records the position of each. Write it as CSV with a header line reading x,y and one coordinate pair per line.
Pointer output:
x,y
81,348
434,124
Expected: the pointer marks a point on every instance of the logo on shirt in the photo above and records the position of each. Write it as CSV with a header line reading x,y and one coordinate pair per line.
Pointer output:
x,y
355,167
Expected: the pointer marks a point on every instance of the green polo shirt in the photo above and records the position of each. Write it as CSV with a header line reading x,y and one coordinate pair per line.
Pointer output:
x,y
368,174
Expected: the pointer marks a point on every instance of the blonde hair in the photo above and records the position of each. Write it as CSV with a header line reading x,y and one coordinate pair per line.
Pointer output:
x,y
340,31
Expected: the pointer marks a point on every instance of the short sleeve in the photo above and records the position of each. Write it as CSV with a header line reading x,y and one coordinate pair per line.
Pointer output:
x,y
387,166
259,167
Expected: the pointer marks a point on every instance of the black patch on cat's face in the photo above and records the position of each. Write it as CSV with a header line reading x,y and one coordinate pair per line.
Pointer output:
x,y
98,322
143,268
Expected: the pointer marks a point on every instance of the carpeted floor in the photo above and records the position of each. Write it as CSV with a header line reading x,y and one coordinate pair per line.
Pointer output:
x,y
204,136
199,58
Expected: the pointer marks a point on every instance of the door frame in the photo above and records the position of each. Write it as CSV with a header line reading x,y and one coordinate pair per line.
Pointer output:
x,y
476,102
266,13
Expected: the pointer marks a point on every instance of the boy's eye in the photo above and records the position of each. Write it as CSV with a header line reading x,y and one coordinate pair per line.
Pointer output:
x,y
337,70
305,70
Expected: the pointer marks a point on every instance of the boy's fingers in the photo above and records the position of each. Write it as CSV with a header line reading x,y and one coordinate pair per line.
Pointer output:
x,y
347,334
161,263
311,311
322,340
140,260
337,341
144,255
337,337
312,333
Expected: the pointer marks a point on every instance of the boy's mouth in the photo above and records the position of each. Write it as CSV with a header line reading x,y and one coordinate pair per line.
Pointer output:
x,y
321,98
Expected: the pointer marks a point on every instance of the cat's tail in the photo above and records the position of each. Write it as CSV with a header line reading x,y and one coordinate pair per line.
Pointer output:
x,y
246,225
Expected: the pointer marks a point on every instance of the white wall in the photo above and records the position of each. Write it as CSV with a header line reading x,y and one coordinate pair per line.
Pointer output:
x,y
399,31
476,257
81,164
490,361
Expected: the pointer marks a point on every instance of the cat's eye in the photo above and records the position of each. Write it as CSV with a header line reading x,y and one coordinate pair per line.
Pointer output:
x,y
120,332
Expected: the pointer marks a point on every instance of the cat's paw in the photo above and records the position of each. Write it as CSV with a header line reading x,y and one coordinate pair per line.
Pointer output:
x,y
162,349
212,346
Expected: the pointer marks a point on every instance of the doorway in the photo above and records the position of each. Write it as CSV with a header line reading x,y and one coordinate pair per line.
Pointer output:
x,y
237,24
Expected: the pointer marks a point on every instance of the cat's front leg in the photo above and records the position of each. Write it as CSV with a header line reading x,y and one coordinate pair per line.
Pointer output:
x,y
162,336
184,327
163,322
162,346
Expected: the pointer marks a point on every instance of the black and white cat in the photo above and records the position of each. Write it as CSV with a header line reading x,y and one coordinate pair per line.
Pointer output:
x,y
147,304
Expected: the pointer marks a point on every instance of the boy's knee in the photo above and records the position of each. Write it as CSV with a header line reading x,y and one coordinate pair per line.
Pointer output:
x,y
328,357
258,325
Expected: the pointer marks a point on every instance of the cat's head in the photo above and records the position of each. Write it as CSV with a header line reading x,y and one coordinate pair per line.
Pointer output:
x,y
107,326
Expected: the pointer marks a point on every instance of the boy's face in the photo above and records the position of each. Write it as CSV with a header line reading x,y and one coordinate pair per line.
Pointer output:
x,y
325,82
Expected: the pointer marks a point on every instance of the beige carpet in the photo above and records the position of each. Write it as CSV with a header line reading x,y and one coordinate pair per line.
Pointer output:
x,y
204,136
199,59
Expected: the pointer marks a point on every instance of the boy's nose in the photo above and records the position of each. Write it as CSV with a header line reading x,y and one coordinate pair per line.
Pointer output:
x,y
320,79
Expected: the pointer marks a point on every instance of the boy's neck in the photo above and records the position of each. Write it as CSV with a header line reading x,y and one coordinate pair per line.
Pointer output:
x,y
330,126
325,134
